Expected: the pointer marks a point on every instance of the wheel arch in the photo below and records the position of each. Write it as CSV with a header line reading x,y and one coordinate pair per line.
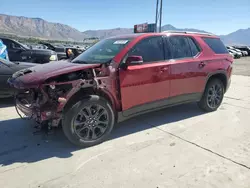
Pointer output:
x,y
221,75
85,93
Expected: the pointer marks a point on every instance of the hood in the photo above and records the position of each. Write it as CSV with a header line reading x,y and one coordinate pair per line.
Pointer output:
x,y
21,65
34,76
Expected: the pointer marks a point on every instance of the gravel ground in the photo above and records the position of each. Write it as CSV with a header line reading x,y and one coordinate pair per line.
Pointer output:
x,y
242,66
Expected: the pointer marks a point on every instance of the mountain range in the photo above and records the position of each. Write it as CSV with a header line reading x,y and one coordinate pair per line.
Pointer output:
x,y
39,28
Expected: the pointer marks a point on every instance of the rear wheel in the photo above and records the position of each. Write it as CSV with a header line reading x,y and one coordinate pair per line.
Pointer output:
x,y
213,96
89,121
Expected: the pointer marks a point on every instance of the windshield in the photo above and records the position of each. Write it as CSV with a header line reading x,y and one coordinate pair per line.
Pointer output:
x,y
103,51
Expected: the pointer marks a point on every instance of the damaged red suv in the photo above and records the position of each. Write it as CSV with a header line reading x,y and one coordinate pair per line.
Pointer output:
x,y
121,77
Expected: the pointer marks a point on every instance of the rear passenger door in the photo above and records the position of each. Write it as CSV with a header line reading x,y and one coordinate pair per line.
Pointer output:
x,y
186,70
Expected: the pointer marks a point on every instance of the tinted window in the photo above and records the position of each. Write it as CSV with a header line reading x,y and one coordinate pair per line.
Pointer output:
x,y
216,45
10,44
180,47
151,49
6,42
195,49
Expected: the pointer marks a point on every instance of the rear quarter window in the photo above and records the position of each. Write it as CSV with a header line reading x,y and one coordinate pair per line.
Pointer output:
x,y
216,45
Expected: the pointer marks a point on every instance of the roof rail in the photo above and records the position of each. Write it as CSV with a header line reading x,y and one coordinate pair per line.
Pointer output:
x,y
189,32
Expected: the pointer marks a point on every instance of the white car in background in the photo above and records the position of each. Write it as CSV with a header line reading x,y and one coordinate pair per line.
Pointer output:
x,y
232,54
235,53
243,52
243,48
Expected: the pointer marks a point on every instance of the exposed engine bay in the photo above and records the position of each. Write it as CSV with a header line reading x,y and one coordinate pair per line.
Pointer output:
x,y
45,104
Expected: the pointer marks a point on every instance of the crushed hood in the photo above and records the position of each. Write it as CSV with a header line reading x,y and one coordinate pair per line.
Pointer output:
x,y
34,76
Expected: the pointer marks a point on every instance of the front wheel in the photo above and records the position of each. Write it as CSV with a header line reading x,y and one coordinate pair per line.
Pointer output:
x,y
212,96
89,121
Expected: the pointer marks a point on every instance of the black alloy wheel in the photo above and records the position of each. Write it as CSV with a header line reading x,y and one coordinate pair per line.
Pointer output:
x,y
215,95
212,96
91,122
88,121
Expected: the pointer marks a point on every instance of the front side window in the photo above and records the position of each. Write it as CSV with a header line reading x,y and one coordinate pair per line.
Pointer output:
x,y
180,47
15,46
103,51
151,49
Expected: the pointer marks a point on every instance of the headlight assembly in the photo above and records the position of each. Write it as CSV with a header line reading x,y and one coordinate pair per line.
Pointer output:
x,y
53,58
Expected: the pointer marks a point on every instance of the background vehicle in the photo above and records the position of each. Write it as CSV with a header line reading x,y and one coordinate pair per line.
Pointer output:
x,y
237,50
7,69
236,54
18,52
121,77
232,54
244,48
62,51
245,53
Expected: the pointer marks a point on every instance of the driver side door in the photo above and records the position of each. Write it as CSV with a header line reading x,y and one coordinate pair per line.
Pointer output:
x,y
144,86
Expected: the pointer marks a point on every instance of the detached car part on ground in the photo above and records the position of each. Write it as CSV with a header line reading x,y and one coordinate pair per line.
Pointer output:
x,y
63,52
122,77
7,69
18,52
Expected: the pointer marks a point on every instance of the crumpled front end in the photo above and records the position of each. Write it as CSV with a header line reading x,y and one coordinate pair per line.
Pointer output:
x,y
45,102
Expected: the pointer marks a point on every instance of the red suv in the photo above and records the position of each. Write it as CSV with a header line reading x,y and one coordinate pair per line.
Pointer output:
x,y
121,77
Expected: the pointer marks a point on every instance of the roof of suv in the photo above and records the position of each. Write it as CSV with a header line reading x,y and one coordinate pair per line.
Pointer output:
x,y
166,32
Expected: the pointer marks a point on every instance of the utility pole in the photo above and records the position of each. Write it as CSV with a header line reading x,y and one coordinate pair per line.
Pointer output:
x,y
158,15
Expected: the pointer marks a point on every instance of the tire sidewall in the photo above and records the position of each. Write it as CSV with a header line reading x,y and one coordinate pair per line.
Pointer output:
x,y
69,115
209,85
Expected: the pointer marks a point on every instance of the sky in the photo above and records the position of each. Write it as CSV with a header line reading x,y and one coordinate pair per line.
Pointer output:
x,y
217,16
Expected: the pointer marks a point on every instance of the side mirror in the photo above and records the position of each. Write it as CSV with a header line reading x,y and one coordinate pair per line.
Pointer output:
x,y
134,60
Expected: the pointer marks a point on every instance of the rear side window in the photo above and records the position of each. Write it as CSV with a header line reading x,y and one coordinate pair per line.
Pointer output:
x,y
180,47
195,49
151,49
216,45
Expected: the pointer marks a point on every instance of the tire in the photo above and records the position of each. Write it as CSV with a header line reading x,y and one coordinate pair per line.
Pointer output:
x,y
88,111
206,103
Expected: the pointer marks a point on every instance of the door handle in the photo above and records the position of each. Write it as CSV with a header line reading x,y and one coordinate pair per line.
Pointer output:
x,y
202,64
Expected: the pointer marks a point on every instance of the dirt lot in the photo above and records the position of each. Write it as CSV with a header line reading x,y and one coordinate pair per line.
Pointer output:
x,y
176,147
242,66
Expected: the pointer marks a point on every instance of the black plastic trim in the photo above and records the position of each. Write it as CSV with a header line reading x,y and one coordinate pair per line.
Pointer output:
x,y
157,105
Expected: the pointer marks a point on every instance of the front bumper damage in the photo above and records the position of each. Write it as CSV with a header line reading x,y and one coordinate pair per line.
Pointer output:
x,y
39,105
45,103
